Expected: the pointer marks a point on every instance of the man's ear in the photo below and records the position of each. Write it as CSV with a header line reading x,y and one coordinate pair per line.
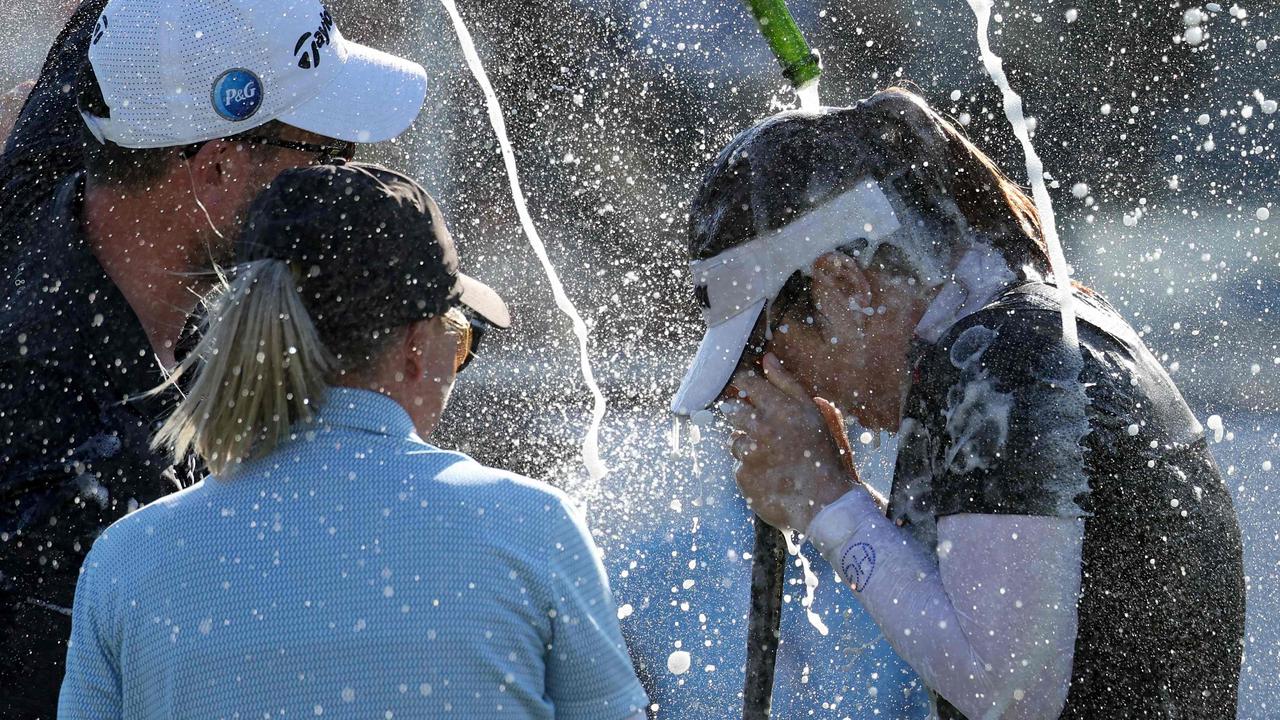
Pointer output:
x,y
413,349
212,165
839,283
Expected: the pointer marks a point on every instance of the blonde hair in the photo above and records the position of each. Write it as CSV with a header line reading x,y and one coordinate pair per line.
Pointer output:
x,y
260,367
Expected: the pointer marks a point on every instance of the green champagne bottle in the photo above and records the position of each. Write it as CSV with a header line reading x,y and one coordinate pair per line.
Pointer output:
x,y
800,65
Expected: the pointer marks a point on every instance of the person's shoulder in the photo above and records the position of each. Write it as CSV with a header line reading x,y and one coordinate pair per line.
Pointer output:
x,y
1023,311
528,518
1016,338
123,544
482,481
1021,333
510,500
168,509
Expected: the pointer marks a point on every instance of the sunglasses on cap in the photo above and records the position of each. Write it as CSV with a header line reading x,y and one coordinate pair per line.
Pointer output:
x,y
470,330
325,154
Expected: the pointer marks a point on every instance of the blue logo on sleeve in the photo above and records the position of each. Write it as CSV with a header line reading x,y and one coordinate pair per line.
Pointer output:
x,y
237,94
858,561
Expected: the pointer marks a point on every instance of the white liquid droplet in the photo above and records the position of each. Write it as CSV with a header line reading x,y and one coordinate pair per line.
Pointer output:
x,y
810,586
1214,423
678,662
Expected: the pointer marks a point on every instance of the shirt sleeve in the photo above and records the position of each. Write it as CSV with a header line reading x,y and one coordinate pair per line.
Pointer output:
x,y
589,672
91,687
46,143
1012,420
989,622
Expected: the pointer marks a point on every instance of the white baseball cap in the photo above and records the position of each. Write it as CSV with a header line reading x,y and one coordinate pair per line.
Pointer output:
x,y
735,285
175,72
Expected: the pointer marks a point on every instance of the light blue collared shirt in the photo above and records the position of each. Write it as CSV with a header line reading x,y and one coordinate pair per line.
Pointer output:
x,y
355,571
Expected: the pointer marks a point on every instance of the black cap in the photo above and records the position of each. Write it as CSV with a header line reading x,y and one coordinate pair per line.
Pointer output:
x,y
792,162
368,245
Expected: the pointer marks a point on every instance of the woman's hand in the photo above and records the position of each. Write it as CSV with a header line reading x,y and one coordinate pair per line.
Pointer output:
x,y
793,453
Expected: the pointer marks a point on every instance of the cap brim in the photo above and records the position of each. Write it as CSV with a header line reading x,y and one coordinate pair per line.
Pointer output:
x,y
484,300
717,358
373,97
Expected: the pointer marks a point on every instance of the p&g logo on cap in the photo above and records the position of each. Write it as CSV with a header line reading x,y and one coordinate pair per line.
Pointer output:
x,y
237,94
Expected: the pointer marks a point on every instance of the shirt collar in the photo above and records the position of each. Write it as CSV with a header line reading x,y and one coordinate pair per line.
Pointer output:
x,y
980,276
365,410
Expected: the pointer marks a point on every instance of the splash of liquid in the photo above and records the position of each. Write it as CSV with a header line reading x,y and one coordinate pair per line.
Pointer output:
x,y
810,585
591,442
808,94
1040,194
1035,169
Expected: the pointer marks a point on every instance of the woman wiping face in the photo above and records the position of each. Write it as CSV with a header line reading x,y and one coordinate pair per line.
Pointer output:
x,y
1032,563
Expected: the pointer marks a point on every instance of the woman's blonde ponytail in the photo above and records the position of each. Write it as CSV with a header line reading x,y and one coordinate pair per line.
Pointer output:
x,y
260,367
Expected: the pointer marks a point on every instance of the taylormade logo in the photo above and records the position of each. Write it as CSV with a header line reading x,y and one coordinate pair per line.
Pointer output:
x,y
307,50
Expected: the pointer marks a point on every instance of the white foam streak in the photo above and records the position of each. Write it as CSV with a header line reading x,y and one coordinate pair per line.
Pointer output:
x,y
810,585
1035,169
591,442
808,95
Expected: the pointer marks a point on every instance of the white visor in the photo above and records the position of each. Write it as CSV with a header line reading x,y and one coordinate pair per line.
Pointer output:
x,y
735,285
717,357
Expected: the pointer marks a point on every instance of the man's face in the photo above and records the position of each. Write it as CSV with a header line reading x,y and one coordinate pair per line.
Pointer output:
x,y
251,167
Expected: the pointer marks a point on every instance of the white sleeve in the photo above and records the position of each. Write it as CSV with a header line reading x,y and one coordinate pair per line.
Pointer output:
x,y
991,625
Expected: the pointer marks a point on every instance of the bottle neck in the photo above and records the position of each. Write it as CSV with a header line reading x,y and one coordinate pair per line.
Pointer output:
x,y
800,64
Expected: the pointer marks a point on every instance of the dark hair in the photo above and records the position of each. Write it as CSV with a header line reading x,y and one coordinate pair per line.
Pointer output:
x,y
789,163
107,163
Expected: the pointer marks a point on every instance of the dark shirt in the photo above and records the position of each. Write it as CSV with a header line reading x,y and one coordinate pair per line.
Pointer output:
x,y
44,149
74,439
47,141
1004,417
